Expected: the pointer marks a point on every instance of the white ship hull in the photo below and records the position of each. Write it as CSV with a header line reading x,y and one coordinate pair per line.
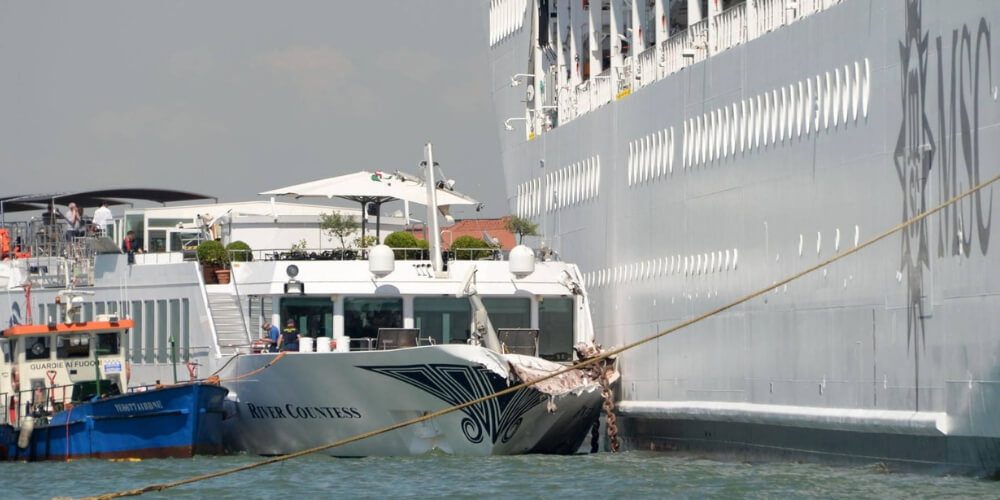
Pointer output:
x,y
744,160
306,400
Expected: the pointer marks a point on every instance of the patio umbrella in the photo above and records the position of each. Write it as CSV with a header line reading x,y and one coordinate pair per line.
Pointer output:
x,y
367,187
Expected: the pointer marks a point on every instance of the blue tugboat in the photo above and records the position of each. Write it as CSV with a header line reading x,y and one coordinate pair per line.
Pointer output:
x,y
63,388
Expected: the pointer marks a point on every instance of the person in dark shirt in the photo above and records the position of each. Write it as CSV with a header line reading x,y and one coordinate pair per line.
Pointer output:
x,y
289,337
131,246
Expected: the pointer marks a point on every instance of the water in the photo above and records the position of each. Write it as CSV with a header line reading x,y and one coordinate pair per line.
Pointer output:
x,y
632,475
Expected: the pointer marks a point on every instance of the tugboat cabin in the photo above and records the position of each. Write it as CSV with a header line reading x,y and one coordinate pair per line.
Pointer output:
x,y
45,367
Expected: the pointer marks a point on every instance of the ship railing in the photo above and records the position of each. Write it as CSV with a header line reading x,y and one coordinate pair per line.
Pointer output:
x,y
738,24
730,27
354,254
770,15
647,67
581,96
163,355
697,42
602,88
566,103
155,258
673,53
42,402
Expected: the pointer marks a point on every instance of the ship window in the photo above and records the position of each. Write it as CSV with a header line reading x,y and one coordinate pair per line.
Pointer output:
x,y
509,312
36,348
135,339
5,348
149,331
72,346
107,343
363,316
555,325
445,319
313,315
162,346
176,333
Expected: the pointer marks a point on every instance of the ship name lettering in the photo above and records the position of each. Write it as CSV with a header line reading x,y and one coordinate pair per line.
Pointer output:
x,y
54,365
140,406
302,412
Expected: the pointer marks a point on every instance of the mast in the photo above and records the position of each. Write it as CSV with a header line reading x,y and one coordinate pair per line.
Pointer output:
x,y
434,237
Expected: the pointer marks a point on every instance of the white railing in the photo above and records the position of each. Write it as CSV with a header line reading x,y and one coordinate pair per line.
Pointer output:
x,y
603,88
673,53
730,27
647,72
739,24
697,42
770,16
583,100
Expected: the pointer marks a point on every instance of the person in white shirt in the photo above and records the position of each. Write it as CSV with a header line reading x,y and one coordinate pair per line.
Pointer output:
x,y
102,217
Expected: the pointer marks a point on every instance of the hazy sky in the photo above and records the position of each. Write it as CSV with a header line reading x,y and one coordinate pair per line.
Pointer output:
x,y
235,97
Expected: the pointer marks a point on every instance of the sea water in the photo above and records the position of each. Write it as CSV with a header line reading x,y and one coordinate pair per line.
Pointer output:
x,y
601,475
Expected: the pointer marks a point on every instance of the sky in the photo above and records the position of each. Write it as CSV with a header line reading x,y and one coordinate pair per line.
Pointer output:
x,y
233,97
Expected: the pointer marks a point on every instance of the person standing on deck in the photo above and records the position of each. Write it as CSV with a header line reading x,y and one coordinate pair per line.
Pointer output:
x,y
273,335
102,217
289,337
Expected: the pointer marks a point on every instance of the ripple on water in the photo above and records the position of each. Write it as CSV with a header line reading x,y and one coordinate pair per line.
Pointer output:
x,y
633,474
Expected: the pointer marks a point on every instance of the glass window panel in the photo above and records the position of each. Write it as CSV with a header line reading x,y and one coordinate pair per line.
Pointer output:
x,y
168,223
313,315
162,332
88,311
363,316
185,344
107,343
174,311
37,348
157,241
73,346
445,319
134,222
148,331
509,312
135,337
555,328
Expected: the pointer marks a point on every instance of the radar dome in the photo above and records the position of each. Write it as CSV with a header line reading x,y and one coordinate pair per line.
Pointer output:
x,y
381,260
522,261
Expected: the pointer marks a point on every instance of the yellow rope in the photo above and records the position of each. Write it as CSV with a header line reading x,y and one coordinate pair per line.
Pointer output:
x,y
253,372
583,364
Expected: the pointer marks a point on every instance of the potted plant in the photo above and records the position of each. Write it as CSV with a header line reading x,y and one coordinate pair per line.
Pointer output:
x,y
239,251
212,256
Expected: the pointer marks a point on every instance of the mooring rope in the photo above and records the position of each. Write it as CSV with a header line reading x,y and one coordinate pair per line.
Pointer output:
x,y
582,364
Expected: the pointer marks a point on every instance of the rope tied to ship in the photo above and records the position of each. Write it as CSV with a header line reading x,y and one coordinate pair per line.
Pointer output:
x,y
582,364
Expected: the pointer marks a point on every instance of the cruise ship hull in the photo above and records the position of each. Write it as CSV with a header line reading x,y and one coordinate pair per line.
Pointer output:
x,y
764,159
306,400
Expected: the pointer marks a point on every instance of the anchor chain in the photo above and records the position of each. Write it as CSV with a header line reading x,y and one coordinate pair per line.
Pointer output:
x,y
609,410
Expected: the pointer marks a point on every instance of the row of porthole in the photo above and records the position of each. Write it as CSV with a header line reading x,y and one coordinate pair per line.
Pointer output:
x,y
570,185
651,156
529,198
779,115
836,240
688,265
573,184
506,17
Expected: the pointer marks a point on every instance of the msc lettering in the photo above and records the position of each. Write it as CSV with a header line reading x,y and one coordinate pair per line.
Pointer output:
x,y
306,412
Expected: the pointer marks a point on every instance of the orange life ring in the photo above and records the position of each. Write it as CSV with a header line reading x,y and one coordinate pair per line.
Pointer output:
x,y
128,372
333,344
